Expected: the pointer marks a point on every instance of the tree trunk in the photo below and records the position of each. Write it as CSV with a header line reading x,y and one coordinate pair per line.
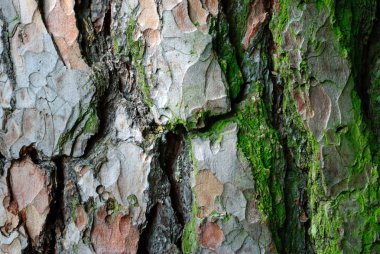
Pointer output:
x,y
142,126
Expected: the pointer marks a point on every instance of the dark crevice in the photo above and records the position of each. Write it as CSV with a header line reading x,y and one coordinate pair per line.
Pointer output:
x,y
168,156
277,121
82,14
242,95
209,121
277,116
6,54
368,89
144,236
104,108
2,164
168,213
55,219
31,152
107,21
307,224
363,57
229,6
6,59
91,43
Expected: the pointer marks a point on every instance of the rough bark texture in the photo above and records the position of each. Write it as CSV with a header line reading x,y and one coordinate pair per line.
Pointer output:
x,y
189,126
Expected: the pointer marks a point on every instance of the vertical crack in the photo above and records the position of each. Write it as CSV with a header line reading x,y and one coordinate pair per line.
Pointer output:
x,y
145,235
54,221
168,157
369,84
370,47
168,214
104,106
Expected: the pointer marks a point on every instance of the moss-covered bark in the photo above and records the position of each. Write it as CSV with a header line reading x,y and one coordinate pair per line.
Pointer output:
x,y
311,201
342,187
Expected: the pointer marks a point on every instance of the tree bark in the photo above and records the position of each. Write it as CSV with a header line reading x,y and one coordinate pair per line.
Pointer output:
x,y
189,126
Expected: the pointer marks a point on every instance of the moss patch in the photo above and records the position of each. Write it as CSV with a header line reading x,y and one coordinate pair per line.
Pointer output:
x,y
260,144
190,234
343,222
219,29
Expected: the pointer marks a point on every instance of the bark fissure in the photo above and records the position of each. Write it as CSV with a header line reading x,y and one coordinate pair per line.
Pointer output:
x,y
143,247
168,156
369,88
55,219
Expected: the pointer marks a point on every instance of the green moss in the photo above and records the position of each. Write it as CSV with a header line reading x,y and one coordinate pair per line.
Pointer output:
x,y
374,104
215,216
113,206
237,15
226,54
90,126
279,21
260,144
63,139
90,205
100,81
116,47
190,123
190,235
132,200
301,146
331,217
351,22
144,86
74,203
345,222
135,48
214,134
92,123
190,232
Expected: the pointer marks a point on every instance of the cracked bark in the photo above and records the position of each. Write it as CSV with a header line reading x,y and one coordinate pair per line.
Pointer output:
x,y
189,126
